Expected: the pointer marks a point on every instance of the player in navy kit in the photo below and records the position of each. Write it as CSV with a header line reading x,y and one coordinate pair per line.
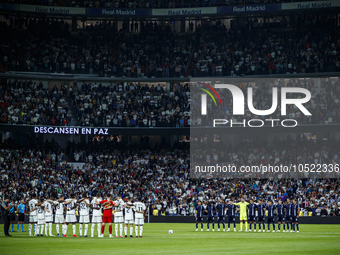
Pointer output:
x,y
231,214
251,214
221,207
280,210
288,214
211,209
270,218
260,214
199,215
295,216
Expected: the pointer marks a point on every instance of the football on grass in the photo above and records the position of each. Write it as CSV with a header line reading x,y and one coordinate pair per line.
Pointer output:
x,y
171,232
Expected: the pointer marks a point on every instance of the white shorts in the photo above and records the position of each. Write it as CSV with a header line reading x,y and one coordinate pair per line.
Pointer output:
x,y
70,218
139,221
84,219
33,218
118,219
49,218
41,221
128,221
59,218
96,219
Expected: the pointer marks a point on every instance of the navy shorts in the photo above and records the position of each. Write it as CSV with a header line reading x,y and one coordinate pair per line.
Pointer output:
x,y
252,218
210,218
295,219
231,218
289,218
281,218
261,218
199,219
220,218
270,220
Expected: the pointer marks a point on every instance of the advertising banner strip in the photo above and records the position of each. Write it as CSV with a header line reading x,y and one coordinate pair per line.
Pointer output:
x,y
12,7
184,11
310,5
249,8
52,9
118,12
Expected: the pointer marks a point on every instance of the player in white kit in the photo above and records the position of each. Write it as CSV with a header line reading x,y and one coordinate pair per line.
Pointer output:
x,y
71,214
48,215
118,215
41,217
128,220
96,214
84,218
32,207
59,214
139,216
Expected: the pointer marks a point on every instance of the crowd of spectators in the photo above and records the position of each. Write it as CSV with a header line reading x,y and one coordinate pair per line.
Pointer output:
x,y
257,48
153,49
136,105
27,102
159,174
131,106
146,3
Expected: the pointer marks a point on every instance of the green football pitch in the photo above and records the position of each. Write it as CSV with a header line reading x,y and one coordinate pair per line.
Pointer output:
x,y
312,239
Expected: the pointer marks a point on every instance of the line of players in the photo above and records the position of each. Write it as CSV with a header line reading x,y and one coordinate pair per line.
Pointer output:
x,y
287,214
41,215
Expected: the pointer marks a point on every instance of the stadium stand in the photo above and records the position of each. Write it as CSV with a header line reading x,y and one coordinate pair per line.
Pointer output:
x,y
160,175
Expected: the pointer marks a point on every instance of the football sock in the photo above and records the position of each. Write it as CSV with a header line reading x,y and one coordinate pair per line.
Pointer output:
x,y
268,226
297,227
250,224
196,225
141,231
12,227
81,229
30,229
18,227
125,230
120,229
92,229
46,226
50,227
202,225
41,229
246,225
74,229
116,229
86,228
213,225
131,230
98,228
136,230
208,225
57,227
110,229
103,228
273,226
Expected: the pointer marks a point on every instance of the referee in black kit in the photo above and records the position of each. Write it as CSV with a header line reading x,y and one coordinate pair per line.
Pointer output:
x,y
5,215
